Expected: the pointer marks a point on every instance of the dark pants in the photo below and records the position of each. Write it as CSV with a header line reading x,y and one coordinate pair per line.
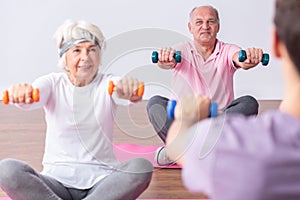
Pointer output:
x,y
157,112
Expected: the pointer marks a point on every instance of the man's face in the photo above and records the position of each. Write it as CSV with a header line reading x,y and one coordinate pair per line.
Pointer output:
x,y
204,25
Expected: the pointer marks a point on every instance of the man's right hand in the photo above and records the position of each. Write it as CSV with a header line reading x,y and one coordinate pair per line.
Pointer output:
x,y
166,58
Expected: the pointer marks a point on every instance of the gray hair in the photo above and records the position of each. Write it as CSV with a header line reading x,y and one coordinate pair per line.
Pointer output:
x,y
74,32
211,7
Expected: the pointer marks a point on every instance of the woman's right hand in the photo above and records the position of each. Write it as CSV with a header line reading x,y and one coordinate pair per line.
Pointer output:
x,y
166,58
21,93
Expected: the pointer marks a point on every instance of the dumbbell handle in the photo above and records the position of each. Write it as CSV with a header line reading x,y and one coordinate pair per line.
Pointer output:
x,y
264,61
213,110
177,56
140,90
35,96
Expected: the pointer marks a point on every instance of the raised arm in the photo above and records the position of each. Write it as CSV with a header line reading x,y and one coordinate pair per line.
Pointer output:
x,y
129,88
253,58
21,93
166,58
187,112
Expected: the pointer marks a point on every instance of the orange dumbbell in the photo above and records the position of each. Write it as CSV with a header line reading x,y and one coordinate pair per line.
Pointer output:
x,y
140,90
35,96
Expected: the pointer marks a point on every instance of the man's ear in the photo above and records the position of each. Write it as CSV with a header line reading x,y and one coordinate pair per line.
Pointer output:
x,y
218,27
190,27
275,43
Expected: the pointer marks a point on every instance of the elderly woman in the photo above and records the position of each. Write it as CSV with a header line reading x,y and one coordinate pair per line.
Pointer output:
x,y
79,162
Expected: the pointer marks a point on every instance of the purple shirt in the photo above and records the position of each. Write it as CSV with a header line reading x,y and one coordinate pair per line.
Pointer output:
x,y
235,157
212,77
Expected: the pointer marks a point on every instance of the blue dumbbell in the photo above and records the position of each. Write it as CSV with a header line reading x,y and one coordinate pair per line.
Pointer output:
x,y
243,57
177,56
213,110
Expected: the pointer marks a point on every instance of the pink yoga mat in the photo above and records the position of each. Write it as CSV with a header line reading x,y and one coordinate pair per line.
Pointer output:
x,y
126,151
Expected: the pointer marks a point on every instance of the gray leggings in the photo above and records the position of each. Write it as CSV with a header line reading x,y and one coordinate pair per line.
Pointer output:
x,y
22,182
157,112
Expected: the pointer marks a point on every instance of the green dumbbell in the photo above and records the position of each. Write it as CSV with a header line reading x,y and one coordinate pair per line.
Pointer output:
x,y
177,56
243,57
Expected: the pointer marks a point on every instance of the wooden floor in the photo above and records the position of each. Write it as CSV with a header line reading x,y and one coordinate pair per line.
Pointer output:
x,y
22,136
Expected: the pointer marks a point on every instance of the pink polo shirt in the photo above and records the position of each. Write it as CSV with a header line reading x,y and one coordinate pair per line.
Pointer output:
x,y
212,78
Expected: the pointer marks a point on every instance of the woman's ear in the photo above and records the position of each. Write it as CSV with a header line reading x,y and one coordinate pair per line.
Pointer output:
x,y
275,43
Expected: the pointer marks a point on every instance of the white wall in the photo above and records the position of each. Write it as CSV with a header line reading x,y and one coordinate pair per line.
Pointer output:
x,y
133,29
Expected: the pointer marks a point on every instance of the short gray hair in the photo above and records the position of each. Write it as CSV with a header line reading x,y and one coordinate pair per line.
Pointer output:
x,y
209,6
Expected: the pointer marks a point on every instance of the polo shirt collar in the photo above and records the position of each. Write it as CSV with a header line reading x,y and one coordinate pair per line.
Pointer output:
x,y
215,52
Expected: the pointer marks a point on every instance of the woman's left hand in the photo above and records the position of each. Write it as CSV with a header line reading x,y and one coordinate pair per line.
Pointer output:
x,y
126,88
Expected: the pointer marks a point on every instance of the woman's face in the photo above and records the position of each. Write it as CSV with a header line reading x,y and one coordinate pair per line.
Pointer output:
x,y
83,61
